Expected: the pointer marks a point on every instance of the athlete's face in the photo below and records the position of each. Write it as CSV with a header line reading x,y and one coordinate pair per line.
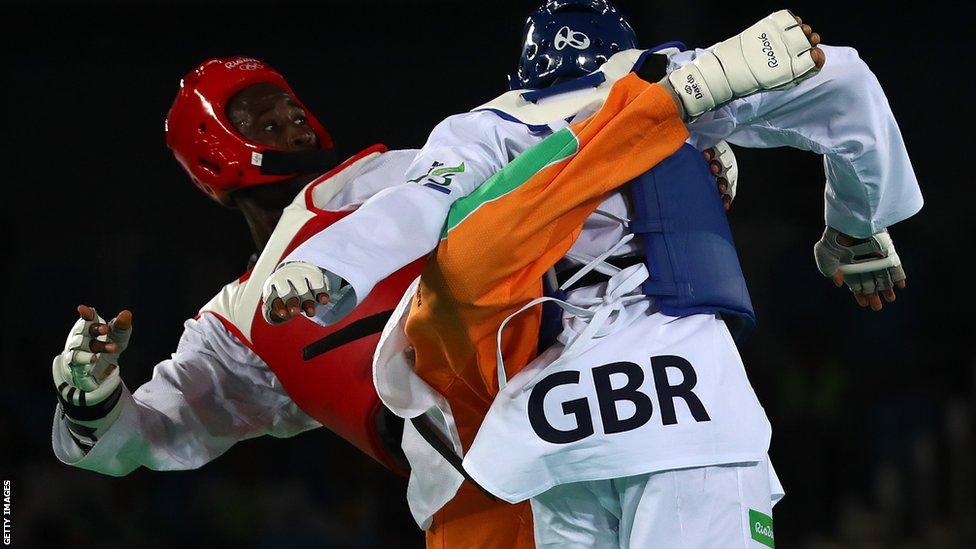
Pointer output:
x,y
267,115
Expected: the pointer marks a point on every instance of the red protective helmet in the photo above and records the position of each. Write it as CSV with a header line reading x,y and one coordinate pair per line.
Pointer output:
x,y
217,157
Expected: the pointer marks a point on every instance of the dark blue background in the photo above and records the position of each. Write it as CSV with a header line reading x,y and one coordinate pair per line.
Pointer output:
x,y
872,413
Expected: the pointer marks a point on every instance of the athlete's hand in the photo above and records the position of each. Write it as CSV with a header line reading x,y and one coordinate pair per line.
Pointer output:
x,y
86,371
869,266
722,163
776,53
817,54
293,288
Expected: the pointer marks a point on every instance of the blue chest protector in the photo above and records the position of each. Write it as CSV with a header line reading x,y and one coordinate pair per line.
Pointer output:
x,y
692,261
678,215
691,257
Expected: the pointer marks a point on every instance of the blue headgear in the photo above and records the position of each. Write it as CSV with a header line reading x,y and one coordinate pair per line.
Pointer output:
x,y
569,38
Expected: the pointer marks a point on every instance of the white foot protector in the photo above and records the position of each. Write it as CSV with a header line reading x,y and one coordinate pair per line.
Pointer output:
x,y
773,54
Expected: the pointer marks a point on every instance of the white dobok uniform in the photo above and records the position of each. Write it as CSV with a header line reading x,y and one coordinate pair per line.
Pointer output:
x,y
215,391
652,486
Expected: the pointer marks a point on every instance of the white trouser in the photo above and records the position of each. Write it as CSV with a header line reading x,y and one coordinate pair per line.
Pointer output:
x,y
722,506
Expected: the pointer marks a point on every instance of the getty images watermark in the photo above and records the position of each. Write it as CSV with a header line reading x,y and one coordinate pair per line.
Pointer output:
x,y
7,525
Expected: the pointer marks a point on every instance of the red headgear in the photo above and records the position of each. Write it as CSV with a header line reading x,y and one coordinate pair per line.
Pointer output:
x,y
218,158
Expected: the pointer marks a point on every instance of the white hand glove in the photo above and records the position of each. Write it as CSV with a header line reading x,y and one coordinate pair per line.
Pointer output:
x,y
296,279
82,377
869,266
773,54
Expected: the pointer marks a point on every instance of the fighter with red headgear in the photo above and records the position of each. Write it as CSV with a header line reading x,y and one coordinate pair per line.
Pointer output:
x,y
246,140
222,155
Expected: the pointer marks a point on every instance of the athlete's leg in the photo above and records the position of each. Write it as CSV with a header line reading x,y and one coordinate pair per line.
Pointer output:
x,y
578,515
724,506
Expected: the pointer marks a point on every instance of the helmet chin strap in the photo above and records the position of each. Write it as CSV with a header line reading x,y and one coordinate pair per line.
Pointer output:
x,y
294,162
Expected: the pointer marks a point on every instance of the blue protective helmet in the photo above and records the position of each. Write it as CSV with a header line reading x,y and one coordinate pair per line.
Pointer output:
x,y
569,38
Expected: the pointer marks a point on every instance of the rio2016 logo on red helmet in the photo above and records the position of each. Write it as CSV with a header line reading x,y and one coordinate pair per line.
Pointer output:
x,y
218,158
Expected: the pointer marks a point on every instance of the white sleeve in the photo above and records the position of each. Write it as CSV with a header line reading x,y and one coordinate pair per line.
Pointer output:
x,y
843,114
383,172
212,393
403,223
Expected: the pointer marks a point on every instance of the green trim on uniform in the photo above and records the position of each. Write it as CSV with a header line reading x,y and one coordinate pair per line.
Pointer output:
x,y
445,170
761,526
555,148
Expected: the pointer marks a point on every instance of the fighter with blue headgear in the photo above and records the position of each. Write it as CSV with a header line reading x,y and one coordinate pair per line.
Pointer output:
x,y
569,39
565,40
641,414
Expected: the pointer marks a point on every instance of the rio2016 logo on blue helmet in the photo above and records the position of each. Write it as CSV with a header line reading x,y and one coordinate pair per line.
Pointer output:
x,y
569,39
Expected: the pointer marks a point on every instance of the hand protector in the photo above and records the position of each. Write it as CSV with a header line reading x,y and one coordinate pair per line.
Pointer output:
x,y
730,167
296,279
773,54
869,266
81,380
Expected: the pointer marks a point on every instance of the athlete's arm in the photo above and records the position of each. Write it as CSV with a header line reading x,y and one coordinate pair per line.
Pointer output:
x,y
403,223
212,393
379,244
843,114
